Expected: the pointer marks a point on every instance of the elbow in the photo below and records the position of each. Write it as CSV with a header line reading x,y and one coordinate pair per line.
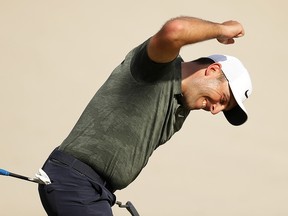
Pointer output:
x,y
172,32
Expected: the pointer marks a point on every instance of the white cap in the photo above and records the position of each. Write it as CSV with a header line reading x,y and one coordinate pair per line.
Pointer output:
x,y
240,84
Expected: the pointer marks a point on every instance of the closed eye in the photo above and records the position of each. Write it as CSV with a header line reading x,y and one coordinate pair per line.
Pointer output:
x,y
223,101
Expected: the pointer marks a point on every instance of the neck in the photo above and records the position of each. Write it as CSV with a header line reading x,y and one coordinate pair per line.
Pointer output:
x,y
189,70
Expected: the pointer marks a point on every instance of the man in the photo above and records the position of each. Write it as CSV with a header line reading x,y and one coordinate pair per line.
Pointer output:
x,y
143,103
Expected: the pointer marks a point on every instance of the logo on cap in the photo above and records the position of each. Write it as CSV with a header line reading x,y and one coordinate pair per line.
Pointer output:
x,y
246,93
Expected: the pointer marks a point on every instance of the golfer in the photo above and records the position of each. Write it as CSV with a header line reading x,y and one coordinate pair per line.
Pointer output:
x,y
142,104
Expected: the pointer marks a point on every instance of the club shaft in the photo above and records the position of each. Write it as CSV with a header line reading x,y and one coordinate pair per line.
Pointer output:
x,y
19,176
7,173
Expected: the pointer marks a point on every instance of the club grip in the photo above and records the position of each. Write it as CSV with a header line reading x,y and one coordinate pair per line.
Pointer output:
x,y
4,172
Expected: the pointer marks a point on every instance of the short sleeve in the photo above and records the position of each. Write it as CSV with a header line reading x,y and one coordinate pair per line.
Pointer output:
x,y
143,69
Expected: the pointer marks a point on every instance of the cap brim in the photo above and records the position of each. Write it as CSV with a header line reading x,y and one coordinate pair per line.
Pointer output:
x,y
236,116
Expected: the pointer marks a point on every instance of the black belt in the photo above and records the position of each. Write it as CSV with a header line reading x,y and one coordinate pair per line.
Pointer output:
x,y
78,165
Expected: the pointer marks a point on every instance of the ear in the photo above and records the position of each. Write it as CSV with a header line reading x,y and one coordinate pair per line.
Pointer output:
x,y
213,69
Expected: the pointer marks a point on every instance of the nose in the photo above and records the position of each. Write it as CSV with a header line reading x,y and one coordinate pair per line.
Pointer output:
x,y
216,108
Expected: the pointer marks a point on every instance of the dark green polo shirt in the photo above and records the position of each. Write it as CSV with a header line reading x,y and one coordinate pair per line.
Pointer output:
x,y
134,112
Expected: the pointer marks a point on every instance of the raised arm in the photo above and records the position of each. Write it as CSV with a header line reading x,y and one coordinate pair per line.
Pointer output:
x,y
165,45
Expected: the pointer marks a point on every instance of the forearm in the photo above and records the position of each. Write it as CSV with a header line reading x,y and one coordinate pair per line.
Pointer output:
x,y
189,30
181,31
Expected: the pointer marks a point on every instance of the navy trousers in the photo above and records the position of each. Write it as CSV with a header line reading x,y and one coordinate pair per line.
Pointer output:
x,y
76,189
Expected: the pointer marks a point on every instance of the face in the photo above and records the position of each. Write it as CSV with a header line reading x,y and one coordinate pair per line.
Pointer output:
x,y
210,93
215,99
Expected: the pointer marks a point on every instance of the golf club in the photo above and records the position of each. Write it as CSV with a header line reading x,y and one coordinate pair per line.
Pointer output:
x,y
129,206
41,177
